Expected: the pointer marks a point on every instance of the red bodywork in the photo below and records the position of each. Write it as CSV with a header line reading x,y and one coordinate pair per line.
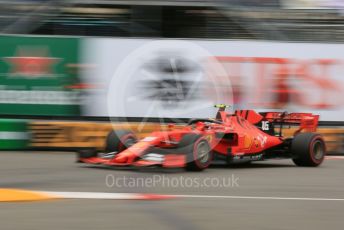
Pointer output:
x,y
235,135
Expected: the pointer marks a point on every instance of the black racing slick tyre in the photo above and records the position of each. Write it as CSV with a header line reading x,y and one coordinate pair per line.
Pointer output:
x,y
308,149
197,150
119,140
86,153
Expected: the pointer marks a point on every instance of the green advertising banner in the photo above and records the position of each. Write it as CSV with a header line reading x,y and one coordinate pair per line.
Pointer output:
x,y
39,75
14,134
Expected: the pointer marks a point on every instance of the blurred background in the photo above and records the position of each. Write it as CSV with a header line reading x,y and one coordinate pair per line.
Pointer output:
x,y
71,71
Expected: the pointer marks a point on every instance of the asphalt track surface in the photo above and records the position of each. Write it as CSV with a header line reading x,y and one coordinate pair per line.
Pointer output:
x,y
275,180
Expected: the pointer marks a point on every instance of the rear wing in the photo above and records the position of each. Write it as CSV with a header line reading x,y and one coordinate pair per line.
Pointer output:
x,y
307,121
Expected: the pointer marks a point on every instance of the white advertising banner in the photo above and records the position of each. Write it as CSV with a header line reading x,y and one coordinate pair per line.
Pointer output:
x,y
184,78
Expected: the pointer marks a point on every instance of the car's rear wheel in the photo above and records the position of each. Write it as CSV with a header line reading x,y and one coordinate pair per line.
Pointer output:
x,y
308,149
197,150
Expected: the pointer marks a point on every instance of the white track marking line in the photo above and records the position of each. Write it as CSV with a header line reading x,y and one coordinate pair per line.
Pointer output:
x,y
261,198
106,196
92,195
143,196
335,157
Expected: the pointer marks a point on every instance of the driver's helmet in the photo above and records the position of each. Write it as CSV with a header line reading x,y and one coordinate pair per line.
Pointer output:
x,y
200,126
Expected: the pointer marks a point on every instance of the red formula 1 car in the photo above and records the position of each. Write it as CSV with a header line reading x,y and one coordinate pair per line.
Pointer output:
x,y
244,136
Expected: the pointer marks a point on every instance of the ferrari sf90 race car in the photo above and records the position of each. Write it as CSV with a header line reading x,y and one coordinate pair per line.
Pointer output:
x,y
242,136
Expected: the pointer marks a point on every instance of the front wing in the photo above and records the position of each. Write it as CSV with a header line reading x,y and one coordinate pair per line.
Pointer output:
x,y
147,160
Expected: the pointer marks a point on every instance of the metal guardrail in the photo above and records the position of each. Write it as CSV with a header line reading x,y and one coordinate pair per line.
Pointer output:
x,y
74,135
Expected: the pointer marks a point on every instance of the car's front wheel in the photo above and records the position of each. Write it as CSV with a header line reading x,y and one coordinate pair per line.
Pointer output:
x,y
119,140
198,152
